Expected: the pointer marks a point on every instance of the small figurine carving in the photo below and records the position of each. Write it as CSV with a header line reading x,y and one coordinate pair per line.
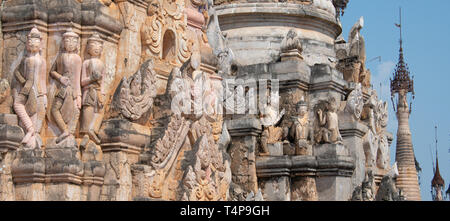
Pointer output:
x,y
5,97
291,47
291,42
30,90
327,125
66,105
93,72
300,132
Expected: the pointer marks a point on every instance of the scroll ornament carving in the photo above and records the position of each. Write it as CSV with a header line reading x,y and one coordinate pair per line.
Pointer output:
x,y
355,102
138,92
151,30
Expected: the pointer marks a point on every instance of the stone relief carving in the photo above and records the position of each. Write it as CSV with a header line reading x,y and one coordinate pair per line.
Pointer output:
x,y
352,57
93,91
326,124
151,31
355,102
66,101
376,145
300,130
163,33
138,92
365,192
270,118
217,40
291,42
209,178
30,90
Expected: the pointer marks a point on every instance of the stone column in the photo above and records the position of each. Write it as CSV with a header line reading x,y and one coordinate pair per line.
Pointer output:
x,y
94,171
244,132
352,134
334,172
274,174
122,142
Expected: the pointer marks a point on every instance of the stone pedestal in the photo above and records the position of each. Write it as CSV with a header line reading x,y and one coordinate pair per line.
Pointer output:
x,y
274,177
63,171
334,172
28,173
303,178
122,142
245,133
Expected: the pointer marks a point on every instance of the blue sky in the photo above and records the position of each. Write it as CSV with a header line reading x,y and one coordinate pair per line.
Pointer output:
x,y
426,43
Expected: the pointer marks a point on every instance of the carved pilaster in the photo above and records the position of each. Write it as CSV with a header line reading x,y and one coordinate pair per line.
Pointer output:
x,y
244,133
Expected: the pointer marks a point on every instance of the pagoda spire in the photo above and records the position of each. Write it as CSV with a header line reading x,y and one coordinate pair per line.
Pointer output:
x,y
437,183
401,86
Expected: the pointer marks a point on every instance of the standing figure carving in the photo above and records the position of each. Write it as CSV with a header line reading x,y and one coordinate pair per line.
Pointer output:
x,y
66,71
92,74
300,131
30,90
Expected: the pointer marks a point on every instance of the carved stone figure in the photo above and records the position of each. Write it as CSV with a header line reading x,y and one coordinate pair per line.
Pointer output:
x,y
291,42
138,91
355,102
365,192
327,125
356,41
300,131
30,90
66,71
291,47
270,118
217,40
6,100
93,72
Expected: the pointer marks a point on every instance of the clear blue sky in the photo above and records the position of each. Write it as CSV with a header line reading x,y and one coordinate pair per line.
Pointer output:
x,y
426,43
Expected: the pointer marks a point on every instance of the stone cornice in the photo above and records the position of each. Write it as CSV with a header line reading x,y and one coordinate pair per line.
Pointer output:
x,y
119,146
278,14
304,166
244,127
352,129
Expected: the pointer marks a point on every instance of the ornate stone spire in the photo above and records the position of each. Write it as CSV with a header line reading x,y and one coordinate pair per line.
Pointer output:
x,y
402,84
437,183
